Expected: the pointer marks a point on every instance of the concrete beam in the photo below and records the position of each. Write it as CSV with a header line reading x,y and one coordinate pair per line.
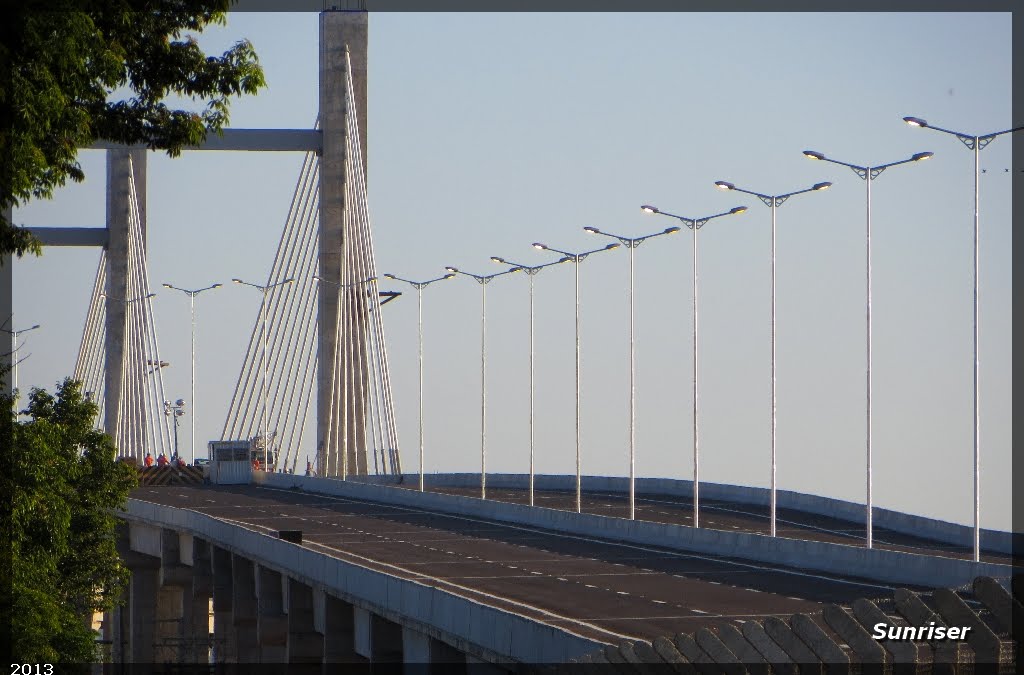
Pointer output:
x,y
245,140
146,539
71,236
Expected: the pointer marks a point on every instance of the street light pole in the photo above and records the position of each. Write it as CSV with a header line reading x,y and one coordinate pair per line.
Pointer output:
x,y
576,259
531,273
263,322
419,286
483,280
976,144
192,307
773,201
694,224
631,243
14,334
868,174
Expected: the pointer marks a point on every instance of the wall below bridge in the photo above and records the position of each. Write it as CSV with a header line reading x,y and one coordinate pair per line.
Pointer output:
x,y
904,523
852,561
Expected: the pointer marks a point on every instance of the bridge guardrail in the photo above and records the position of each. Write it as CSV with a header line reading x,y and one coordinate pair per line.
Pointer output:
x,y
854,561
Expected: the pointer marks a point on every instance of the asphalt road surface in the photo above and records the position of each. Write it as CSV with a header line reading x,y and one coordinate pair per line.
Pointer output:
x,y
729,516
603,590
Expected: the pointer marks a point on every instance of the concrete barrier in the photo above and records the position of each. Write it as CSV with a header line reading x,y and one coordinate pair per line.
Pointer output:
x,y
904,523
485,631
854,561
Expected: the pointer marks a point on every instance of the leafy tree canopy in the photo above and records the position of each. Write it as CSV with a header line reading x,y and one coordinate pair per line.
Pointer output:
x,y
75,71
64,483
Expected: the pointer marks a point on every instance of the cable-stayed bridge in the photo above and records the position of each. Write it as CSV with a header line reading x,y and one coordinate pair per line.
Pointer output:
x,y
307,569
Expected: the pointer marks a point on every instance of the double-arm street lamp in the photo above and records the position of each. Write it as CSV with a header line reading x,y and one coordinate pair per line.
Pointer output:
x,y
263,323
531,272
693,224
419,286
976,144
868,174
631,243
324,470
576,259
14,349
192,306
774,202
483,280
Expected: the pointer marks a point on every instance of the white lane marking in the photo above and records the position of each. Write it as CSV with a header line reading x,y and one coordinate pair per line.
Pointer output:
x,y
635,547
698,611
621,592
370,562
660,602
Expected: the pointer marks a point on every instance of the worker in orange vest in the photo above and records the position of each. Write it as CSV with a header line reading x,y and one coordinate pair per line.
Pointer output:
x,y
149,460
161,460
256,464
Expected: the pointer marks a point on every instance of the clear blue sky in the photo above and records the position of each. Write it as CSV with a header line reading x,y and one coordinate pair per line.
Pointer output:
x,y
490,131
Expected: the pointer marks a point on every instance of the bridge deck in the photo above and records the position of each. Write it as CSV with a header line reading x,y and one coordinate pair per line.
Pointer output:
x,y
602,590
722,515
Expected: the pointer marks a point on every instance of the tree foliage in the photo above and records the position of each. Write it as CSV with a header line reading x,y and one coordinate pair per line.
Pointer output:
x,y
64,483
75,71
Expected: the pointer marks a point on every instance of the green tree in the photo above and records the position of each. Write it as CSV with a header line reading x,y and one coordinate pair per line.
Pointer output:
x,y
74,71
64,484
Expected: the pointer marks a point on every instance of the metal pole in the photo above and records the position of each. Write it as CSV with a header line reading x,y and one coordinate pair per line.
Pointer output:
x,y
977,453
632,392
483,389
192,451
15,353
578,477
868,514
696,454
419,305
774,207
263,322
531,388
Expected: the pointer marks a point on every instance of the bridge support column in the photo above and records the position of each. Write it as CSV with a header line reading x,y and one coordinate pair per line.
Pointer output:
x,y
305,644
335,619
224,650
142,606
244,610
197,627
272,622
339,30
121,165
